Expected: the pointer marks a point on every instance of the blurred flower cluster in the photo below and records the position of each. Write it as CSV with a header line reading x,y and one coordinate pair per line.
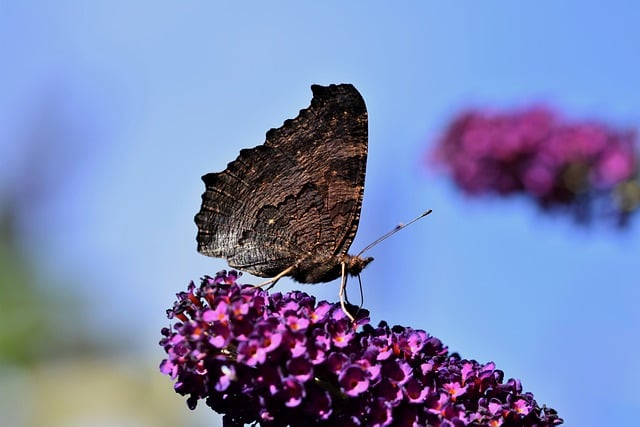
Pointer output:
x,y
285,360
586,167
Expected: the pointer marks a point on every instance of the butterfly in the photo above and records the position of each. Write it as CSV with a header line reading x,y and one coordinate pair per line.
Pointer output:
x,y
291,206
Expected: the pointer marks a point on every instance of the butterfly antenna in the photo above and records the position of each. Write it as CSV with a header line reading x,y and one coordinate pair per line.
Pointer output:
x,y
394,231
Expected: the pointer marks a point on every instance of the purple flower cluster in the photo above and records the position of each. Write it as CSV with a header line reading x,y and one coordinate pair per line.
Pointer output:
x,y
283,360
560,164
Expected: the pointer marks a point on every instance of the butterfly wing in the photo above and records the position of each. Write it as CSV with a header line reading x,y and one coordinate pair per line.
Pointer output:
x,y
298,195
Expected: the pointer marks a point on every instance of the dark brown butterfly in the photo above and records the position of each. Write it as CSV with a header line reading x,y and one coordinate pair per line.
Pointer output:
x,y
291,206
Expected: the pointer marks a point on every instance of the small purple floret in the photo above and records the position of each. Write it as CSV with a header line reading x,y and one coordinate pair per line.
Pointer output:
x,y
283,359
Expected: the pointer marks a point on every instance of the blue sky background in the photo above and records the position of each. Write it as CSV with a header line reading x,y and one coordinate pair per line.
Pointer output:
x,y
152,95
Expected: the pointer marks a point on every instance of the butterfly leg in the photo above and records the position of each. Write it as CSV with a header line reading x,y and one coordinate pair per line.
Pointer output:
x,y
272,282
341,294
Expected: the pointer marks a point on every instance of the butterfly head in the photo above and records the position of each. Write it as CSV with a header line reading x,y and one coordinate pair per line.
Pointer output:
x,y
355,263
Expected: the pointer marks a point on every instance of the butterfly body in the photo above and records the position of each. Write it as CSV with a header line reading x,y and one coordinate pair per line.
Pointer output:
x,y
318,269
292,205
